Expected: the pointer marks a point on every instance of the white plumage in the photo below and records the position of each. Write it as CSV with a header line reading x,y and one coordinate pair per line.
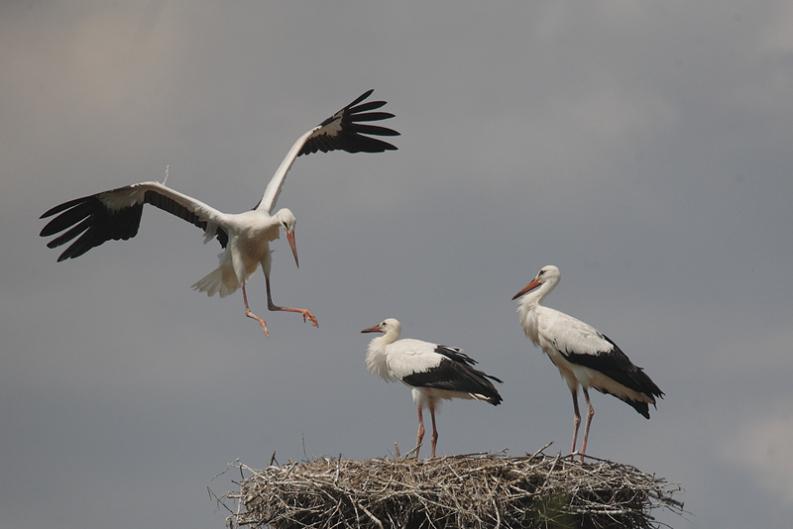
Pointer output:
x,y
434,372
245,237
583,355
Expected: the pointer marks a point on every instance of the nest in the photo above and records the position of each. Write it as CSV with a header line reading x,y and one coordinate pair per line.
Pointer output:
x,y
467,491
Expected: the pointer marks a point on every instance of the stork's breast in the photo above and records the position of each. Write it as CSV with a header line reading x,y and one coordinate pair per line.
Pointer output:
x,y
252,250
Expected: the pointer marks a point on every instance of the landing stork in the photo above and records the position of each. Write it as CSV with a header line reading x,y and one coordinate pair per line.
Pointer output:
x,y
434,372
583,355
245,237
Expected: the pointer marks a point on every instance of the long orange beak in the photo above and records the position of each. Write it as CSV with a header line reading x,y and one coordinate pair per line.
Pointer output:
x,y
373,328
531,285
290,236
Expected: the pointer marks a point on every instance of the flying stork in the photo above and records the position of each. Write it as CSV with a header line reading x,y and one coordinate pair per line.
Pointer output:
x,y
583,355
244,237
435,372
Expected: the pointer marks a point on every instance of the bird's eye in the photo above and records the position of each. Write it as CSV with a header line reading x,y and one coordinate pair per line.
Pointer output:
x,y
541,272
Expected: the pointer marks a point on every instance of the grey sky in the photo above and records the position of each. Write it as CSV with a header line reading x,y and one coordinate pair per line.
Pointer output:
x,y
644,148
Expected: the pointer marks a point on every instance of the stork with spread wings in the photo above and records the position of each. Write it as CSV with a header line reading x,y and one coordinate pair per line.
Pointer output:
x,y
245,237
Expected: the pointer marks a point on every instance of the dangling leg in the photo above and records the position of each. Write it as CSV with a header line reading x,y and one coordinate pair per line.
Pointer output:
x,y
434,429
420,432
589,416
576,419
307,314
249,313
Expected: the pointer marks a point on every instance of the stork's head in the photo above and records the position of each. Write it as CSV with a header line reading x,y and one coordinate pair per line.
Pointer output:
x,y
387,326
548,274
286,220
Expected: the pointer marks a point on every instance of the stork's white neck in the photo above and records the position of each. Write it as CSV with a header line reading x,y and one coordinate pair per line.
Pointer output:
x,y
376,354
528,305
533,298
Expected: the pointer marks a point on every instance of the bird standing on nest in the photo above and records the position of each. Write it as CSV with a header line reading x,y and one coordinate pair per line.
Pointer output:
x,y
245,237
583,355
435,372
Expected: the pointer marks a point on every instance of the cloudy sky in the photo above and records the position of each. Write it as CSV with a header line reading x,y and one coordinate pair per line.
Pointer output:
x,y
643,147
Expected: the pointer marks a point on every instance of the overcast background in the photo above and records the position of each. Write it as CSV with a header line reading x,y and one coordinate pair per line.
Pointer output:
x,y
646,148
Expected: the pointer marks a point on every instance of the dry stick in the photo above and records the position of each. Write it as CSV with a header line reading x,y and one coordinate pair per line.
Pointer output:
x,y
372,516
338,470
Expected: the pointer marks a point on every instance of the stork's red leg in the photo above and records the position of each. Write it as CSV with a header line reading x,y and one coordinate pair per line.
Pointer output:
x,y
434,429
249,313
307,314
590,414
576,419
420,432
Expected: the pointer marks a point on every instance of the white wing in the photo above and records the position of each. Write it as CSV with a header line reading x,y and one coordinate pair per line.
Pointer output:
x,y
343,130
116,214
570,335
407,357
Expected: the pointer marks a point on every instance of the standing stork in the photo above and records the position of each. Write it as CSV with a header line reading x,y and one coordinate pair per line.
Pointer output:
x,y
245,237
435,372
583,355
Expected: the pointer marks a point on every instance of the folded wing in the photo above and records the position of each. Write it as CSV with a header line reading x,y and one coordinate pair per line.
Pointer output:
x,y
426,365
583,345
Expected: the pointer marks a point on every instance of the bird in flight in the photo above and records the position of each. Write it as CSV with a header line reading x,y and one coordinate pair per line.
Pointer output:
x,y
245,237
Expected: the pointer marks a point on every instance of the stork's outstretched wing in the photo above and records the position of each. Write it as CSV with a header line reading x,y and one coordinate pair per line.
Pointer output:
x,y
115,215
345,130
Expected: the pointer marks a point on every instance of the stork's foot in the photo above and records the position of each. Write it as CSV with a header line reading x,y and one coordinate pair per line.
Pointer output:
x,y
309,316
263,324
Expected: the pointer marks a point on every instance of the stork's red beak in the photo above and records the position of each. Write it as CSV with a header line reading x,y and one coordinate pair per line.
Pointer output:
x,y
373,328
531,285
290,236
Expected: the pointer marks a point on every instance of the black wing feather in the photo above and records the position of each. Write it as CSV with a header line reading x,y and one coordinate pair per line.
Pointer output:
x,y
360,98
90,221
67,218
452,375
456,354
344,131
70,234
60,207
374,130
373,116
616,365
366,107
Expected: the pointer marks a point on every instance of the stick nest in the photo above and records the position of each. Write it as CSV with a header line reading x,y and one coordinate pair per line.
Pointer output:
x,y
468,491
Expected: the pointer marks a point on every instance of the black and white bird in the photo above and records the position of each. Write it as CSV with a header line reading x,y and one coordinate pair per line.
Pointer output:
x,y
245,237
583,355
435,372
